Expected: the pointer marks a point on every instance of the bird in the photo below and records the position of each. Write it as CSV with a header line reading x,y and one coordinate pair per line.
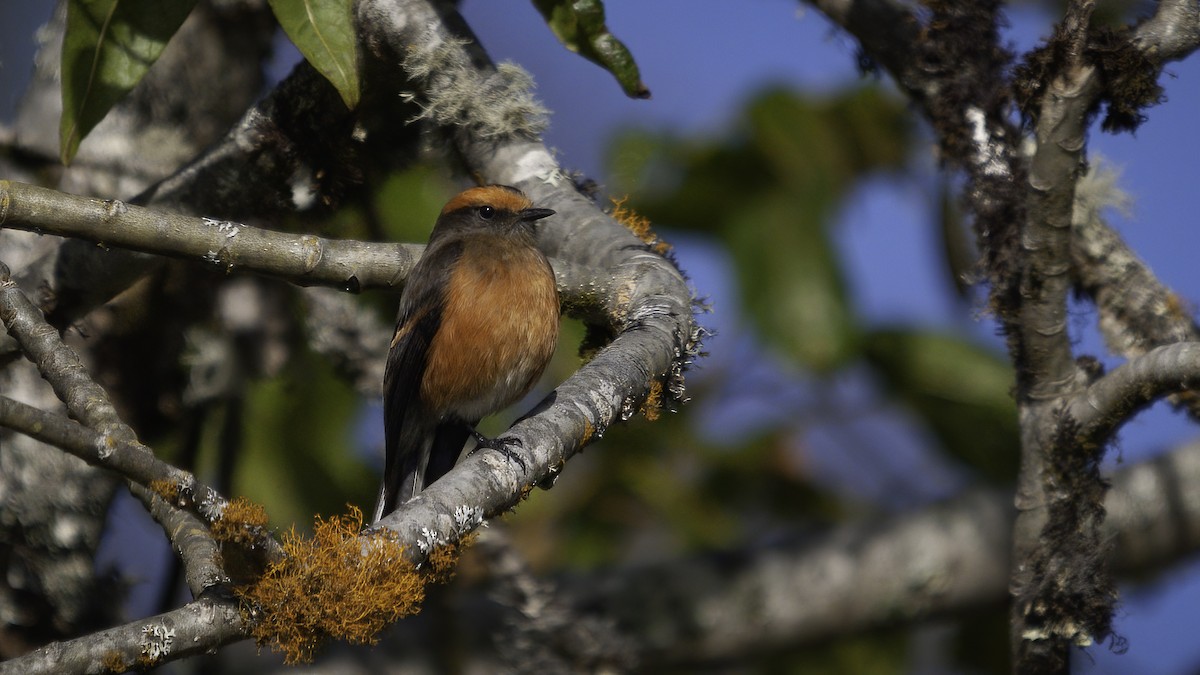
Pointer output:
x,y
477,324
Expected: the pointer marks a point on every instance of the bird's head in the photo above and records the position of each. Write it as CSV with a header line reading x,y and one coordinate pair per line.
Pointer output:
x,y
494,208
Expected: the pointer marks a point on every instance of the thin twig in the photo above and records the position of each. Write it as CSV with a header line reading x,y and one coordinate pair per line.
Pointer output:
x,y
131,460
1097,412
235,247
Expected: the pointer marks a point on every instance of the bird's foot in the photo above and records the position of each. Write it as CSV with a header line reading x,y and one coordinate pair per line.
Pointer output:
x,y
500,445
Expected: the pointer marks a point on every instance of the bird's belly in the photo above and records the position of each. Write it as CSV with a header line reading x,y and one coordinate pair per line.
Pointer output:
x,y
503,319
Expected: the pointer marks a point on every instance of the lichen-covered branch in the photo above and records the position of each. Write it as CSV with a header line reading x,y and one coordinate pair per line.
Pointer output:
x,y
301,259
196,628
131,460
1171,34
1136,312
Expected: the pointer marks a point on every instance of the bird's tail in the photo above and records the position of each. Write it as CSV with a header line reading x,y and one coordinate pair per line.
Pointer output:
x,y
416,462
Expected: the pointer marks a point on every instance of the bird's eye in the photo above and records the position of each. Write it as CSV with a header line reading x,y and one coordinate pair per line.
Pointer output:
x,y
486,212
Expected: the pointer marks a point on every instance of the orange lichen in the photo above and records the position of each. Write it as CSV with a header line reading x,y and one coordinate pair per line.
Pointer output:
x,y
653,405
167,489
338,584
242,522
1178,308
639,225
113,662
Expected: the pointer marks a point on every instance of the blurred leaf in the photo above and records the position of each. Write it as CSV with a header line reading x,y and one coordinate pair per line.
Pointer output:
x,y
768,191
812,144
960,390
958,249
579,25
297,459
791,281
108,46
323,31
884,652
408,202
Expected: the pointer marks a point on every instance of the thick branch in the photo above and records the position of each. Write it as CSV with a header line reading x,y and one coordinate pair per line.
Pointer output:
x,y
1059,490
1054,170
944,560
1172,33
301,259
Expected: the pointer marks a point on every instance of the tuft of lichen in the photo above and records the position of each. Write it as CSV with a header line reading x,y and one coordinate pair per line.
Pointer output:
x,y
242,522
497,105
167,489
1128,77
639,225
113,662
339,584
652,407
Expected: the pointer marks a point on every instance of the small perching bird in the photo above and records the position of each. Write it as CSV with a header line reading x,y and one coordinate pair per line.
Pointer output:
x,y
477,325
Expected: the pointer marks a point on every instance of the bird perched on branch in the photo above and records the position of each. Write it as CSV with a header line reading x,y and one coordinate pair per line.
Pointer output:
x,y
477,325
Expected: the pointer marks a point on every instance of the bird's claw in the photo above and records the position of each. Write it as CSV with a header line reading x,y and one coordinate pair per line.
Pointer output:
x,y
499,445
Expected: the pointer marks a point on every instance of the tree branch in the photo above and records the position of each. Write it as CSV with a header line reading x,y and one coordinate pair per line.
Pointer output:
x,y
195,628
940,561
87,402
131,460
1172,33
1136,311
301,259
1063,589
1096,413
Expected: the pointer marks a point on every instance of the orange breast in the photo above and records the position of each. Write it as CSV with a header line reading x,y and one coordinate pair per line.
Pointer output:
x,y
497,333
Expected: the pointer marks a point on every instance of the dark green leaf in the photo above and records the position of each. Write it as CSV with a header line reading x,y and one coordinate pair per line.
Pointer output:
x,y
960,254
792,281
959,389
107,47
579,25
323,31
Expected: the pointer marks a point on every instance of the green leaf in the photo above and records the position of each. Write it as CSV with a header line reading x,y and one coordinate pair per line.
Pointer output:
x,y
579,25
792,280
323,31
959,389
108,46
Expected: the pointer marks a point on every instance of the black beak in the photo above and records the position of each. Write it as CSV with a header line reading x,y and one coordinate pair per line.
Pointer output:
x,y
530,215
